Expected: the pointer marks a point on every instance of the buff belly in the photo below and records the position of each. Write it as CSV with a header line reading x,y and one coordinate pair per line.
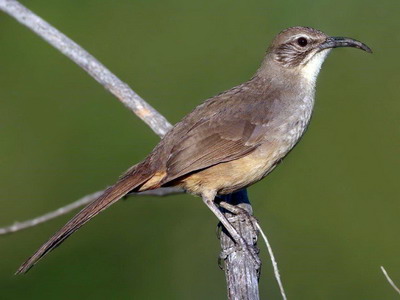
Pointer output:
x,y
228,177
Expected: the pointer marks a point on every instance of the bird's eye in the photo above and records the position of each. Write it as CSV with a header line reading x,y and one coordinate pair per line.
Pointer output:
x,y
302,41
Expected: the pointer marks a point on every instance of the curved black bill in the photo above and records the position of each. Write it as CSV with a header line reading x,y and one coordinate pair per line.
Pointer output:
x,y
337,41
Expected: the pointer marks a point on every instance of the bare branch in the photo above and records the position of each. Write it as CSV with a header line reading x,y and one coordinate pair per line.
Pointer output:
x,y
273,261
18,226
161,192
87,62
390,280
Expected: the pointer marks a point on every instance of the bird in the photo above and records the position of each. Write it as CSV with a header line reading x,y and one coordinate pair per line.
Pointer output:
x,y
231,140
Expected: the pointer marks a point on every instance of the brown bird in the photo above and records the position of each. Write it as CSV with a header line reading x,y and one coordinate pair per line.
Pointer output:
x,y
231,140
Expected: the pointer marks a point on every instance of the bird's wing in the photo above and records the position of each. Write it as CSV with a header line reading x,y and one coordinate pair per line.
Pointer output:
x,y
211,141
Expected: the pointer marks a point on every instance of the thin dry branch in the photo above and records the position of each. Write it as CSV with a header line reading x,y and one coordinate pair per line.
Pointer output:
x,y
87,62
273,261
394,286
18,226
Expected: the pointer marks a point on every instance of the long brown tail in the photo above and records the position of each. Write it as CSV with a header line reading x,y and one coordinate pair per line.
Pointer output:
x,y
110,196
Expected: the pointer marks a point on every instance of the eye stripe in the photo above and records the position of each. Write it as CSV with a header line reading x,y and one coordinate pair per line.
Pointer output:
x,y
291,54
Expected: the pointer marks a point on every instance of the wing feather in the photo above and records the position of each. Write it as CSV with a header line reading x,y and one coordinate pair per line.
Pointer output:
x,y
211,143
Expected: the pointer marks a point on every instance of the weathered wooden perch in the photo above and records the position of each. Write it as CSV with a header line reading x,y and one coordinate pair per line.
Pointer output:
x,y
241,273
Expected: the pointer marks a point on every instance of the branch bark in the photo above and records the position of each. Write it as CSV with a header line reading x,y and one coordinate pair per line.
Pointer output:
x,y
241,273
236,263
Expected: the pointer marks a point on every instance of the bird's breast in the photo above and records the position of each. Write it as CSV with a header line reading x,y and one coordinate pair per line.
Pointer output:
x,y
291,122
298,122
285,132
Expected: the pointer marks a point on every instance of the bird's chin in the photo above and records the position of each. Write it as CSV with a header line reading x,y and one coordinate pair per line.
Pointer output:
x,y
311,68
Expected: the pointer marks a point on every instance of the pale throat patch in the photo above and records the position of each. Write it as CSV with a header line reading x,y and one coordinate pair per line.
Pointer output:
x,y
311,69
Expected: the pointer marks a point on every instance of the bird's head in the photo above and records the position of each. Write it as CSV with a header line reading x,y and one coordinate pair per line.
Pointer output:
x,y
302,50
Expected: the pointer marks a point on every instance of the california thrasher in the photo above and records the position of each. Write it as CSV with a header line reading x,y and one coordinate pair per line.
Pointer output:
x,y
233,139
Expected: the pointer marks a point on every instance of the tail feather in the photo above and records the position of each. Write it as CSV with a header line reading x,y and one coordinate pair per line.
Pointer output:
x,y
110,196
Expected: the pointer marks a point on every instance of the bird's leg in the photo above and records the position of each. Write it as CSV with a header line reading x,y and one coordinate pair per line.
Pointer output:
x,y
208,199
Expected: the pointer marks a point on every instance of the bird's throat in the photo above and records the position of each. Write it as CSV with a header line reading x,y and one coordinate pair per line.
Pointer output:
x,y
311,69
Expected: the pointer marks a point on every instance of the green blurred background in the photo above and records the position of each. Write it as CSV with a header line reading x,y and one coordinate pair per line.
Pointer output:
x,y
331,210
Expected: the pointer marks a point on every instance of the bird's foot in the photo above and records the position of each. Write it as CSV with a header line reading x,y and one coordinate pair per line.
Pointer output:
x,y
239,213
241,219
